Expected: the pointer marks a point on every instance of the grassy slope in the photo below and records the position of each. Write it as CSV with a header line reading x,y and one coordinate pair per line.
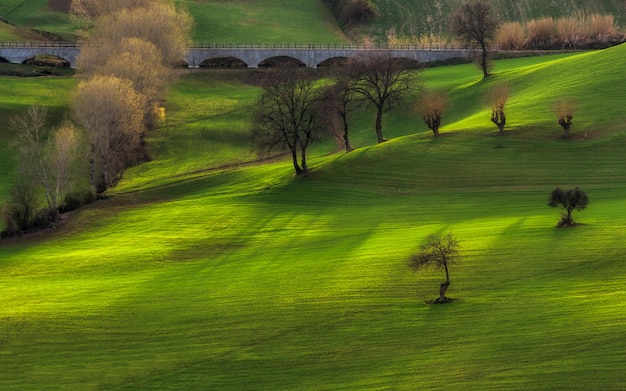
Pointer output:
x,y
270,21
35,14
249,279
421,18
17,95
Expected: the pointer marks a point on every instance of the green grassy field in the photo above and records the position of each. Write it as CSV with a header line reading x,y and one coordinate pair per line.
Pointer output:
x,y
247,278
269,21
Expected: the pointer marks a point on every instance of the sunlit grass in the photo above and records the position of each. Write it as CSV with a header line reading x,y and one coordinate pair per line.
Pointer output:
x,y
249,278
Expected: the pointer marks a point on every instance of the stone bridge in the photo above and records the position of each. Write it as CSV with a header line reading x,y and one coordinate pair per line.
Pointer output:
x,y
252,55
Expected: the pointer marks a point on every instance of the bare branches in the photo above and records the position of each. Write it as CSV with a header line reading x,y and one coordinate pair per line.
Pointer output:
x,y
497,99
564,110
476,24
430,106
286,116
382,80
439,252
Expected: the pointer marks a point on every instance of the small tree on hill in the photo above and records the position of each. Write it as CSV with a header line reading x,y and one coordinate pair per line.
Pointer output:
x,y
476,24
382,80
568,200
336,102
286,115
431,106
440,252
564,110
497,98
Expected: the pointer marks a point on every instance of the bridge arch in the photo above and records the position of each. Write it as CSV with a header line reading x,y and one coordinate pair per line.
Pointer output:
x,y
334,62
281,60
48,60
223,62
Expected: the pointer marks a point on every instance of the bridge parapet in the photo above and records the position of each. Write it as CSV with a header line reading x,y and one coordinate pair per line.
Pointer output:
x,y
252,54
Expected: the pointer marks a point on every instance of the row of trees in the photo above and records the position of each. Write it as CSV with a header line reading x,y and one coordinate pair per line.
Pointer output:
x,y
125,66
293,111
295,108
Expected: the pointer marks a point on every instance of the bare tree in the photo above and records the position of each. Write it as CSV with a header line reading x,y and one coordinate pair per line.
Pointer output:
x,y
19,210
564,110
476,24
63,147
569,200
111,112
34,160
286,116
382,80
431,106
497,99
439,252
336,102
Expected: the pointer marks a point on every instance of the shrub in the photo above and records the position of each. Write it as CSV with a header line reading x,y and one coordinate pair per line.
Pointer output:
x,y
75,200
356,11
601,25
511,36
540,32
569,31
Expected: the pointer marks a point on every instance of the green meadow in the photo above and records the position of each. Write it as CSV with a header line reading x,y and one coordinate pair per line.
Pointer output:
x,y
206,270
269,21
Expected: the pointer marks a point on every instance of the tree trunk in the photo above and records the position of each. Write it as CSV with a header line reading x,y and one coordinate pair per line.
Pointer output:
x,y
305,168
346,140
379,125
566,123
442,291
483,61
294,157
92,169
498,118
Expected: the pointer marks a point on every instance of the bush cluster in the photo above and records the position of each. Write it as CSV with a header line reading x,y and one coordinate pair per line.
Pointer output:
x,y
21,215
351,12
593,32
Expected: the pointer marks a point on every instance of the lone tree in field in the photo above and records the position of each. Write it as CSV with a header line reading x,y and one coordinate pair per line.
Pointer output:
x,y
286,116
568,200
431,106
440,252
497,98
564,110
476,24
382,80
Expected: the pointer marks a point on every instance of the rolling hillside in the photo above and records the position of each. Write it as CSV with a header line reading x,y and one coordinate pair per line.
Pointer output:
x,y
247,278
301,21
417,18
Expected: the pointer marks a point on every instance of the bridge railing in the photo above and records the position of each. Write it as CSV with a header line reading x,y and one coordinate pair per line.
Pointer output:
x,y
252,46
327,46
40,44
